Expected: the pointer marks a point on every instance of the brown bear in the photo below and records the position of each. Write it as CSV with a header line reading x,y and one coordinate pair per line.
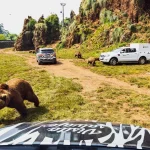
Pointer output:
x,y
78,55
91,60
14,92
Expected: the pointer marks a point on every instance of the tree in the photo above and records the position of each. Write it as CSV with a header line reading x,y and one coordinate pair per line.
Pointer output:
x,y
67,21
12,37
31,24
2,30
52,23
2,37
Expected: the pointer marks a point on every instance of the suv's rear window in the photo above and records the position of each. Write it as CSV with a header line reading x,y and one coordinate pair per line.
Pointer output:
x,y
47,51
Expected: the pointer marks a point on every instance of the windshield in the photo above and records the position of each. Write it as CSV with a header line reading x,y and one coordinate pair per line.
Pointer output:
x,y
47,51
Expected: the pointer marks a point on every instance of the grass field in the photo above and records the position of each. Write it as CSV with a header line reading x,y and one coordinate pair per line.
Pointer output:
x,y
132,73
124,72
61,98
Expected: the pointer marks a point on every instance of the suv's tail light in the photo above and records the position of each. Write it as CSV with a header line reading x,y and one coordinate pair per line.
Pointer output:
x,y
54,54
40,55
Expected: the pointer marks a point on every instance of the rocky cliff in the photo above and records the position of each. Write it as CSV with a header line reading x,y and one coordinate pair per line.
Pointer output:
x,y
38,33
24,41
111,21
91,9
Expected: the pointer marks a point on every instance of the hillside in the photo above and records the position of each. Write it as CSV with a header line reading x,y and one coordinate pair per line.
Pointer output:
x,y
103,23
100,23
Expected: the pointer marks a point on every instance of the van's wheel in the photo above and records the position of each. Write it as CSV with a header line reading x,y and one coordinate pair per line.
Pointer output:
x,y
142,60
113,61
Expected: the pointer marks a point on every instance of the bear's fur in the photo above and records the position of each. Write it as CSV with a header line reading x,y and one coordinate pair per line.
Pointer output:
x,y
14,92
78,55
92,60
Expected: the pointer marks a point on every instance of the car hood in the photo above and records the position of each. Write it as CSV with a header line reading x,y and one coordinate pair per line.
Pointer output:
x,y
106,53
89,133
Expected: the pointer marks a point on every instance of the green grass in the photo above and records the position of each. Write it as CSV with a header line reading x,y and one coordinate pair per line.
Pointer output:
x,y
140,81
61,98
118,105
66,53
118,71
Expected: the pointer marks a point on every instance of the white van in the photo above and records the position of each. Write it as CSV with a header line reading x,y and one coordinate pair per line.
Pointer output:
x,y
137,52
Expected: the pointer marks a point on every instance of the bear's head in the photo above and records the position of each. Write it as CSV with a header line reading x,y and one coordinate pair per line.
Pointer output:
x,y
4,95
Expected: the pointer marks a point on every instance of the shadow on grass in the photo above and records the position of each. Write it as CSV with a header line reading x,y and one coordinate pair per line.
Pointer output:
x,y
32,114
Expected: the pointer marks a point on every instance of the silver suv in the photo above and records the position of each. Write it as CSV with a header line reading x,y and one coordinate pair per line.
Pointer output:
x,y
46,55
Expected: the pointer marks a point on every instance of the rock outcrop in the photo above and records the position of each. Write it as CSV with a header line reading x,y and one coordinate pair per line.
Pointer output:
x,y
126,18
24,41
91,9
40,31
38,34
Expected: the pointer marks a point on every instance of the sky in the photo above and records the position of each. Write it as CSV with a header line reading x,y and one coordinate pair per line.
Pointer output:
x,y
13,12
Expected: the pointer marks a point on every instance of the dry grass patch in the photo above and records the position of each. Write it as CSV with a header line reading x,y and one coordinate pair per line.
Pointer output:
x,y
117,105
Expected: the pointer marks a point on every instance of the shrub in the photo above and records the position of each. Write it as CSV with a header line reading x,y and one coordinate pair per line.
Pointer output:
x,y
73,26
117,33
52,23
41,26
102,3
124,14
2,37
31,24
61,45
107,16
132,28
94,6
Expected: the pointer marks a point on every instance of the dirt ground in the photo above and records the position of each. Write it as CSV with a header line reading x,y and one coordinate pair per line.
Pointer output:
x,y
89,80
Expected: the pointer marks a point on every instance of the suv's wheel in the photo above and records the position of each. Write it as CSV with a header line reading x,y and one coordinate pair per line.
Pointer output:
x,y
113,61
142,60
39,63
55,61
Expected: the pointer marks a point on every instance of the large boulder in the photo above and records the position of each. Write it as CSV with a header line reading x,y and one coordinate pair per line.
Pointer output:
x,y
24,41
40,32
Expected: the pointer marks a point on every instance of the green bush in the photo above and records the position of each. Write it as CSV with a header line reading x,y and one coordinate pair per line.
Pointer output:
x,y
31,24
102,3
94,6
132,27
2,37
107,16
73,26
87,4
60,45
41,26
12,37
117,33
52,23
124,14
